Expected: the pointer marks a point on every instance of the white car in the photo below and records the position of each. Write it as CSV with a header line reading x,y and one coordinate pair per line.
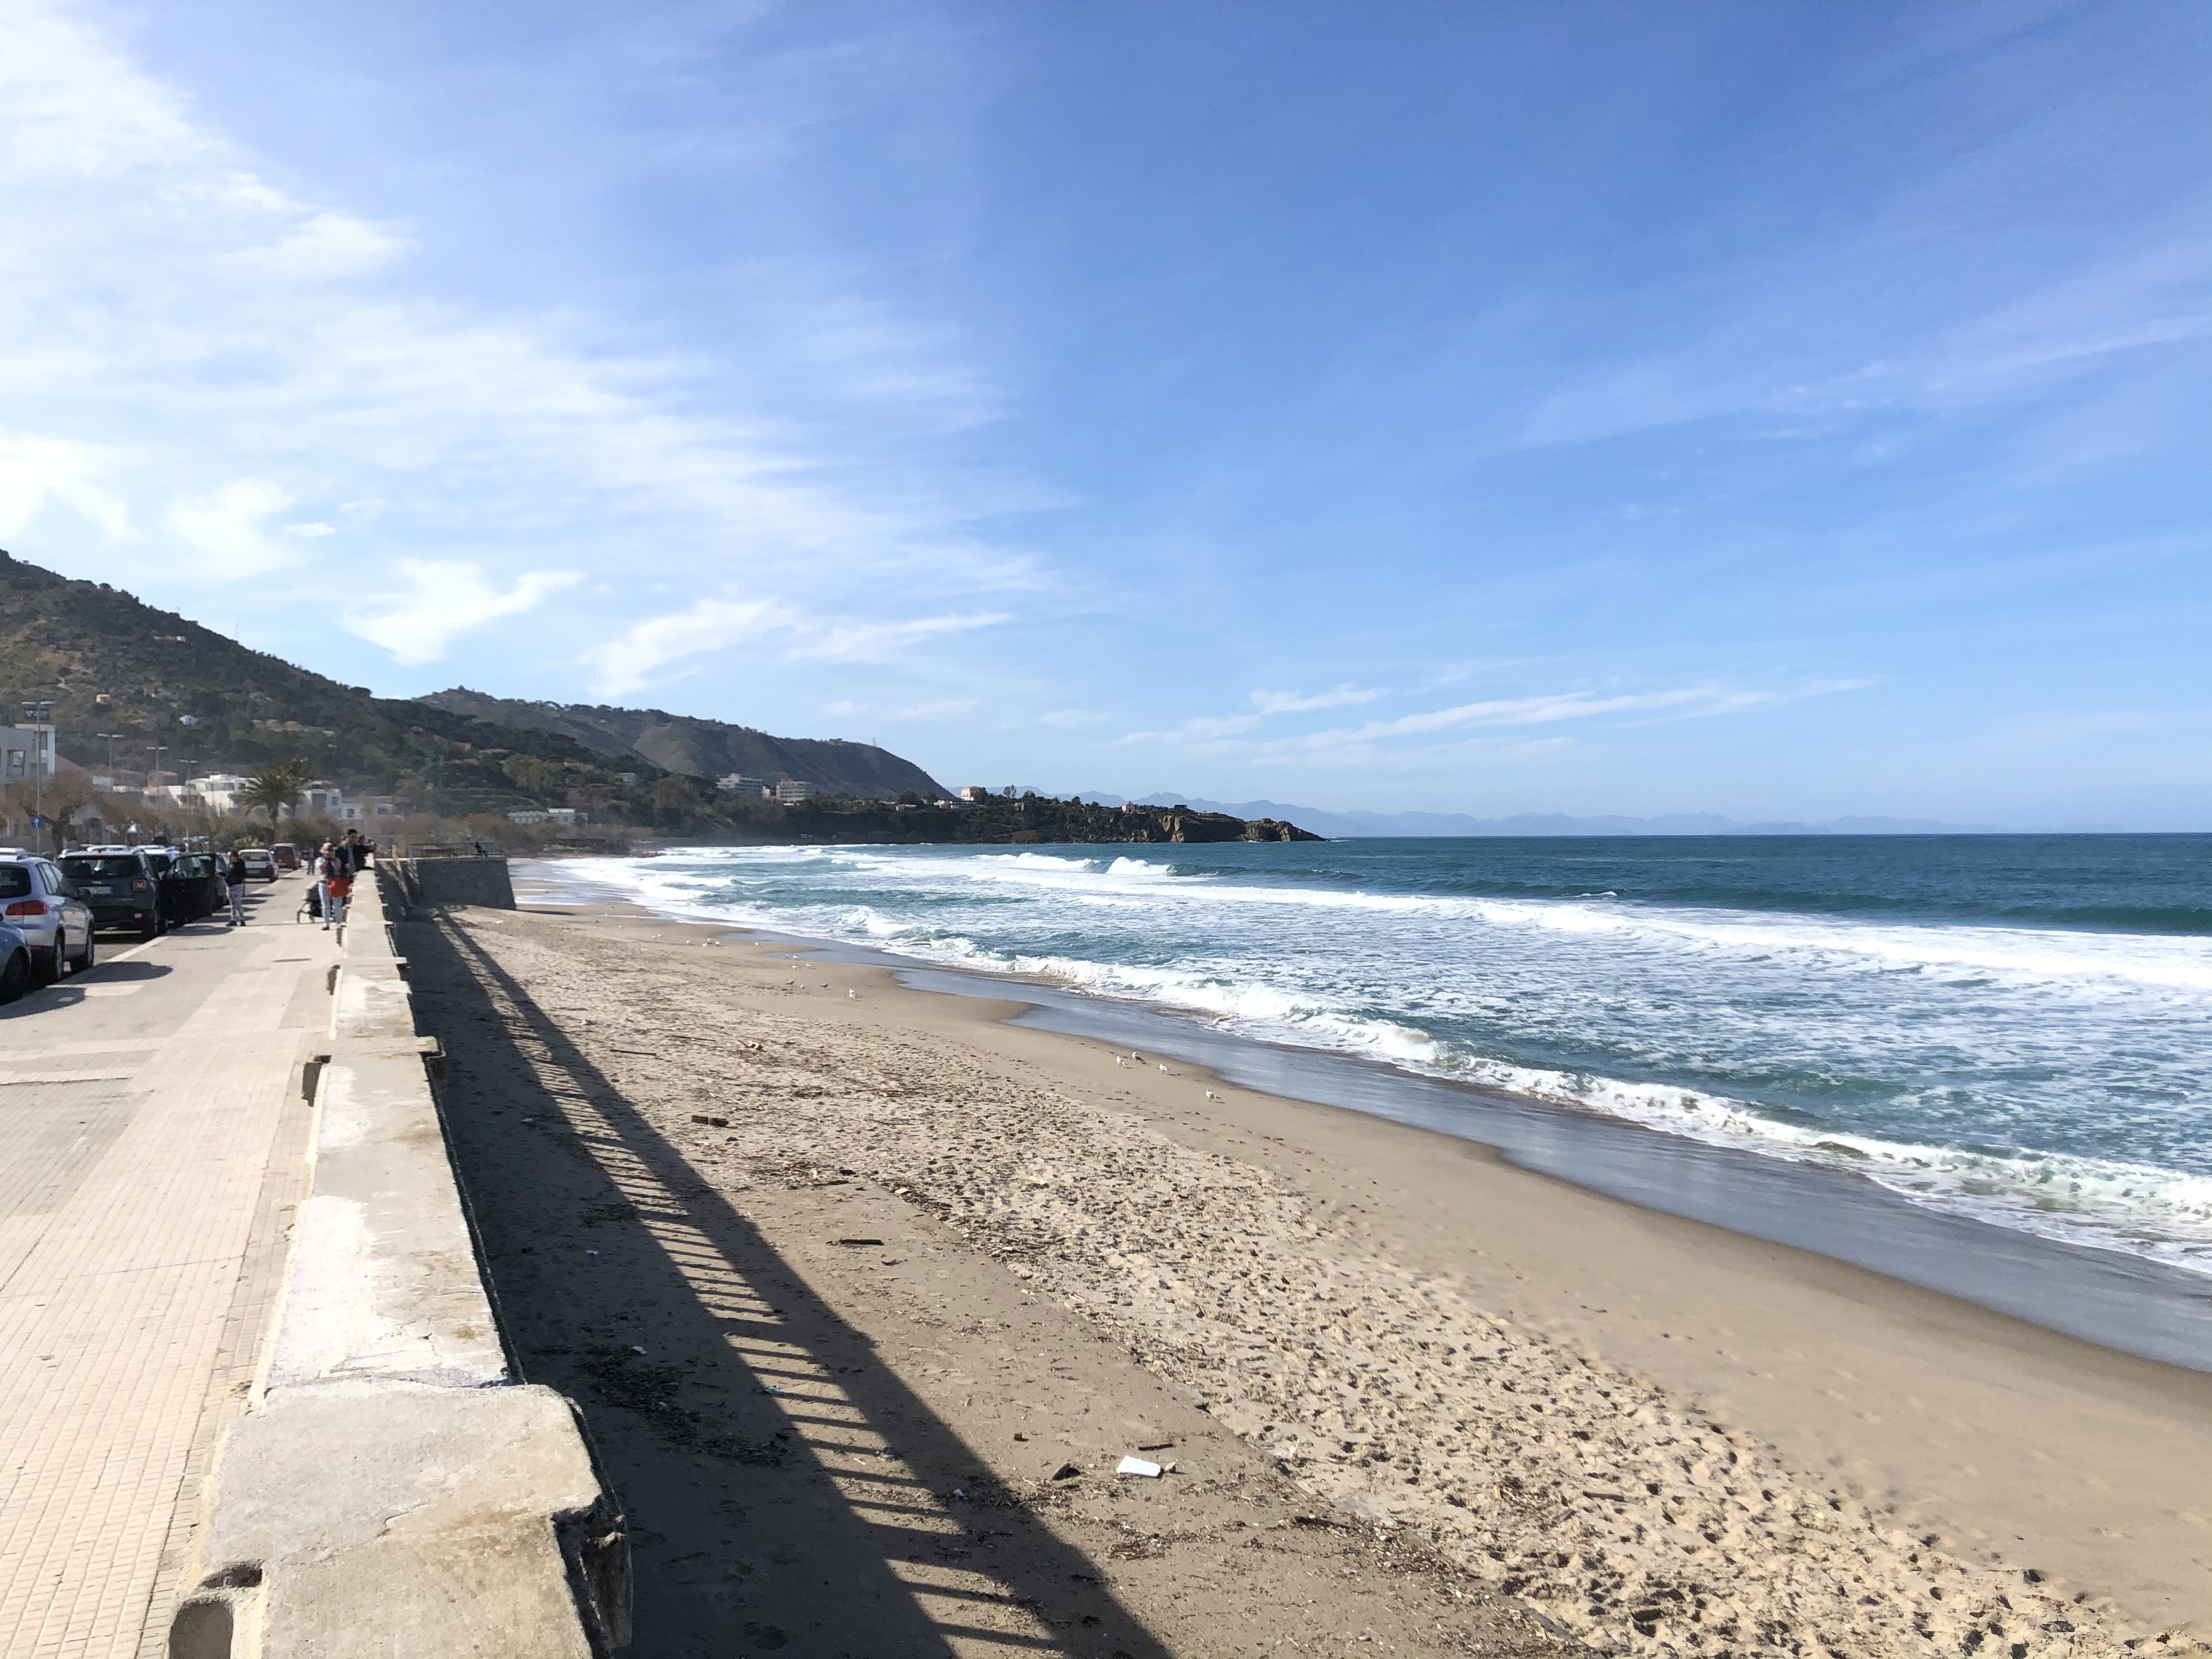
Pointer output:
x,y
260,863
39,901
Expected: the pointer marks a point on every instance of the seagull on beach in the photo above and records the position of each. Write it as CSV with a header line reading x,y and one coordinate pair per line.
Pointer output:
x,y
1210,1095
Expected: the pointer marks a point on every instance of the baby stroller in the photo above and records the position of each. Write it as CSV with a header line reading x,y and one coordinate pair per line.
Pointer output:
x,y
311,908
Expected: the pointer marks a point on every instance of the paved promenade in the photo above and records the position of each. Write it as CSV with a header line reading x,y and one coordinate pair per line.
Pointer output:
x,y
152,1155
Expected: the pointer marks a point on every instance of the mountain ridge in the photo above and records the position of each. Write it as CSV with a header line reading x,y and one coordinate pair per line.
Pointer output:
x,y
702,748
173,690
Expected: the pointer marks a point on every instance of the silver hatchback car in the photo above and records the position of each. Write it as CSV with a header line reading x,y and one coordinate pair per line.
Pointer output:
x,y
39,902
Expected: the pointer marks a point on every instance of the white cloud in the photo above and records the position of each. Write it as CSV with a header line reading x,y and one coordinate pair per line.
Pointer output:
x,y
444,601
186,320
310,531
1289,702
226,526
1684,702
877,641
325,245
938,711
627,662
34,469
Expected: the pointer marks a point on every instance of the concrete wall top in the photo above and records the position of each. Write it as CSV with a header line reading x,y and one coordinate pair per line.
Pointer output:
x,y
394,1489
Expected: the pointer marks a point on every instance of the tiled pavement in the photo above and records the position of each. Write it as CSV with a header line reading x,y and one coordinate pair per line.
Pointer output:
x,y
152,1150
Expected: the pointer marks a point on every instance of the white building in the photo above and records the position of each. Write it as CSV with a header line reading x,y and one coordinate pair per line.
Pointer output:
x,y
975,792
25,752
737,783
372,806
324,797
218,791
529,815
792,791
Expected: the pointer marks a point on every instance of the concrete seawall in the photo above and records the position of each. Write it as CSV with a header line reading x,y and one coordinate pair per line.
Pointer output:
x,y
395,1488
456,881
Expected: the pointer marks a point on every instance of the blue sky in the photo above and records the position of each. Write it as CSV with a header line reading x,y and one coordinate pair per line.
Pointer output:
x,y
1772,409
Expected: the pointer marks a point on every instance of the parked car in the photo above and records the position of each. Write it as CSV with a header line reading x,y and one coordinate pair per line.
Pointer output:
x,y
260,863
18,972
285,855
39,902
195,882
120,885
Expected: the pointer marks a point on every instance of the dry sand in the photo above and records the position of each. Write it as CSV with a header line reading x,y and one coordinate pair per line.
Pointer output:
x,y
1657,1435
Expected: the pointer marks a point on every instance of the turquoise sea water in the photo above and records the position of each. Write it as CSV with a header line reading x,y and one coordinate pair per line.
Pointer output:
x,y
2017,1028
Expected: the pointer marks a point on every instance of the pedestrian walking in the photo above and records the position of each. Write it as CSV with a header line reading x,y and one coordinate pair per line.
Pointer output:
x,y
234,882
337,890
326,871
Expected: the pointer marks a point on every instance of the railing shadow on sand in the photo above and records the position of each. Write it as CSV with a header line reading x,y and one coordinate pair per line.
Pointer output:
x,y
714,1381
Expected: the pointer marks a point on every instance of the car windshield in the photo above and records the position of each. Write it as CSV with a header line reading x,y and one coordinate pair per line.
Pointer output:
x,y
14,881
99,869
195,864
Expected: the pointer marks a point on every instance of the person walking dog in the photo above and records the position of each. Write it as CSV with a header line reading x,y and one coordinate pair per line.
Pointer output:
x,y
234,882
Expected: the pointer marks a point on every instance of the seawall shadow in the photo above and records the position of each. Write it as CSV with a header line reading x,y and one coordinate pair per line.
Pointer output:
x,y
783,1486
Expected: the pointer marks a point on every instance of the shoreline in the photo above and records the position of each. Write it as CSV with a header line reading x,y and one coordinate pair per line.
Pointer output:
x,y
1914,1412
2134,1303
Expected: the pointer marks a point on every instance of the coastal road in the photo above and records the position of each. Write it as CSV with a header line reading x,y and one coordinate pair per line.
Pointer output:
x,y
152,1151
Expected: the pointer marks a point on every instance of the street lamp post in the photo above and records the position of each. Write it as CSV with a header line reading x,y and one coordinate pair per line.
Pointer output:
x,y
40,717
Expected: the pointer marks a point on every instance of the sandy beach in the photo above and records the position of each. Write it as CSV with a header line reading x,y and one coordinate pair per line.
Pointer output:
x,y
845,1272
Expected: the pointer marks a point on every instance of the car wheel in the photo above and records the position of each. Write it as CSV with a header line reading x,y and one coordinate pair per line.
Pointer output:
x,y
150,929
54,966
84,963
14,976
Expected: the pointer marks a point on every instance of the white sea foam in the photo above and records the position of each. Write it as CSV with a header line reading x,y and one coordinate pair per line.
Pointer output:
x,y
2052,1081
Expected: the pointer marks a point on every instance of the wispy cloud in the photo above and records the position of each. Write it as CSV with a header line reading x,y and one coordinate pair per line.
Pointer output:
x,y
878,642
442,602
227,528
631,660
1291,703
35,469
1679,702
254,349
1695,701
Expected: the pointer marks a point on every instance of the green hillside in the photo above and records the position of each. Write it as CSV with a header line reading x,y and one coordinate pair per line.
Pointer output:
x,y
125,676
112,665
708,749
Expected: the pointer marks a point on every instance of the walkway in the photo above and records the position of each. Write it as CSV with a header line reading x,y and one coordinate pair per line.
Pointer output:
x,y
152,1141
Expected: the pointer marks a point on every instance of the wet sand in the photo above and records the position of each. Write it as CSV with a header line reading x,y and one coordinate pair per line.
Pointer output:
x,y
1658,1434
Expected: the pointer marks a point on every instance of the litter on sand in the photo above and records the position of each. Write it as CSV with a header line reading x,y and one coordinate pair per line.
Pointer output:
x,y
711,1122
876,1243
1137,1465
1067,1471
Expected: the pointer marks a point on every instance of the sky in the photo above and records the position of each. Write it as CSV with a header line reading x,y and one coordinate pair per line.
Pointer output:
x,y
1781,410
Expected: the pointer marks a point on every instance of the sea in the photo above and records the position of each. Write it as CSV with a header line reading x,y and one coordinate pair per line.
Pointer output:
x,y
2013,1030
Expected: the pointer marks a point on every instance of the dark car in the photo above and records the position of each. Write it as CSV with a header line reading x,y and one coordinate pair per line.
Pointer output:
x,y
18,971
194,887
121,889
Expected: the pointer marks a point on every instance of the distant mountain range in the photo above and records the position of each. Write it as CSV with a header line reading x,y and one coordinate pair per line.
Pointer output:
x,y
706,749
1338,824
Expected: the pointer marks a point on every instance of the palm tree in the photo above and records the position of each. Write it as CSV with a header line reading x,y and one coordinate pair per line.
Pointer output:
x,y
274,788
